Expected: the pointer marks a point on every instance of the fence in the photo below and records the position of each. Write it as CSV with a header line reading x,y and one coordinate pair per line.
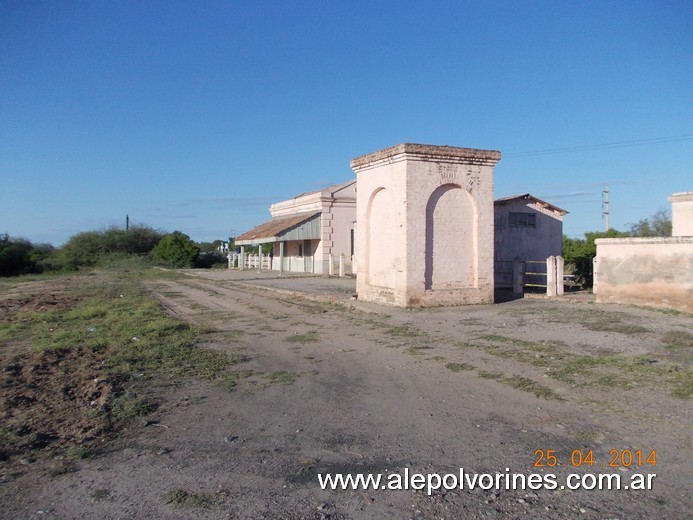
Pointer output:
x,y
531,276
341,265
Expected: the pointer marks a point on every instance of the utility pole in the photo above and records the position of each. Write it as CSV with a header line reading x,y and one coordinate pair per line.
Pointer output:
x,y
127,222
605,207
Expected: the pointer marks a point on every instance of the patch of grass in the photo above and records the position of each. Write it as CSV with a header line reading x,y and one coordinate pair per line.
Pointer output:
x,y
100,494
182,498
529,385
308,337
280,377
402,330
683,384
490,375
127,406
80,452
678,339
458,367
608,325
418,350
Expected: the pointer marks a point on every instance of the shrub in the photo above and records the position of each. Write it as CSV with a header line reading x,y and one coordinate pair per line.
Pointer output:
x,y
176,250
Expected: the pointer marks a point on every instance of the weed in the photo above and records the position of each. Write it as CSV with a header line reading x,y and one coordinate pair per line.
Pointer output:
x,y
127,406
417,351
100,494
308,337
458,367
181,498
280,377
678,339
80,452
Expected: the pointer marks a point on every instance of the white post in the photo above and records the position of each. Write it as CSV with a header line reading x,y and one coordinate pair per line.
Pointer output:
x,y
560,263
341,265
281,257
594,275
551,276
353,264
241,260
330,268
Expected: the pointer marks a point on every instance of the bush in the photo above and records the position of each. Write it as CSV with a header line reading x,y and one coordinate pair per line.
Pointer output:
x,y
88,248
176,250
19,256
578,254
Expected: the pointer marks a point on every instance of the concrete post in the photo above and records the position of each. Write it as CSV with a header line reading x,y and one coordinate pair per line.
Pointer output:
x,y
330,267
353,264
551,276
560,263
341,265
241,260
517,277
594,275
281,257
229,261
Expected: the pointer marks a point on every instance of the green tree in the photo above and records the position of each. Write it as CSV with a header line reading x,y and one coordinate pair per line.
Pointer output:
x,y
658,225
176,250
20,256
578,254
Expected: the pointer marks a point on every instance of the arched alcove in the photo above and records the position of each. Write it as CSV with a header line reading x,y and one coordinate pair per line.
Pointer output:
x,y
451,240
380,241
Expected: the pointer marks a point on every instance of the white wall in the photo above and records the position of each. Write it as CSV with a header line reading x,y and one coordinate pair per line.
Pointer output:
x,y
645,271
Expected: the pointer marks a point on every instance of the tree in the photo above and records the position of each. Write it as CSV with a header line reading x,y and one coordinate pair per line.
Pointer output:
x,y
658,225
20,256
579,253
175,250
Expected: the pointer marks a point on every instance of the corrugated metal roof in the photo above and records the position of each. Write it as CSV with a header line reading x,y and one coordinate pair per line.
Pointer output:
x,y
528,196
273,229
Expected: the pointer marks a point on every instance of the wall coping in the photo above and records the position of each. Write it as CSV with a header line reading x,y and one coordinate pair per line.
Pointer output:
x,y
683,196
643,240
428,152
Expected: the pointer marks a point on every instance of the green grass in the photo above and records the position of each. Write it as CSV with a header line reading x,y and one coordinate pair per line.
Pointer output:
x,y
458,367
80,452
308,337
181,498
110,320
609,370
280,377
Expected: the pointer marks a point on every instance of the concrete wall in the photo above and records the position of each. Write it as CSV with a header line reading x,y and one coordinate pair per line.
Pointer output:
x,y
645,271
425,225
682,214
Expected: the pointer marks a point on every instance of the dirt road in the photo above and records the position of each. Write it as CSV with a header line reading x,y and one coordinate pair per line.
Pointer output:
x,y
335,389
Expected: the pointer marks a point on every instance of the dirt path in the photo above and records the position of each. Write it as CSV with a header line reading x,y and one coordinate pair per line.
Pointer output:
x,y
342,390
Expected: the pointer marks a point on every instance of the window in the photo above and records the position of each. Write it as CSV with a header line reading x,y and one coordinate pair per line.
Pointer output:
x,y
300,250
522,220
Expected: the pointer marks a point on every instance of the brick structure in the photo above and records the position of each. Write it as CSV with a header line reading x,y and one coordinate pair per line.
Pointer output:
x,y
424,225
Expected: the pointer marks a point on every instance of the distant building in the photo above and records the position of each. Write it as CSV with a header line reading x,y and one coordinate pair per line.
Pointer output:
x,y
305,230
527,229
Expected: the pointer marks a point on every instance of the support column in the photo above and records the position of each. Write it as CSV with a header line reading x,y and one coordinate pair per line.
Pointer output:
x,y
341,266
241,260
330,267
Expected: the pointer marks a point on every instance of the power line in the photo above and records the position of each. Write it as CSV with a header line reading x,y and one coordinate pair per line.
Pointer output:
x,y
588,147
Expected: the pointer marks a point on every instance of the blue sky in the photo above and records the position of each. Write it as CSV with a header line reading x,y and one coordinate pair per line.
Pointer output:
x,y
196,116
